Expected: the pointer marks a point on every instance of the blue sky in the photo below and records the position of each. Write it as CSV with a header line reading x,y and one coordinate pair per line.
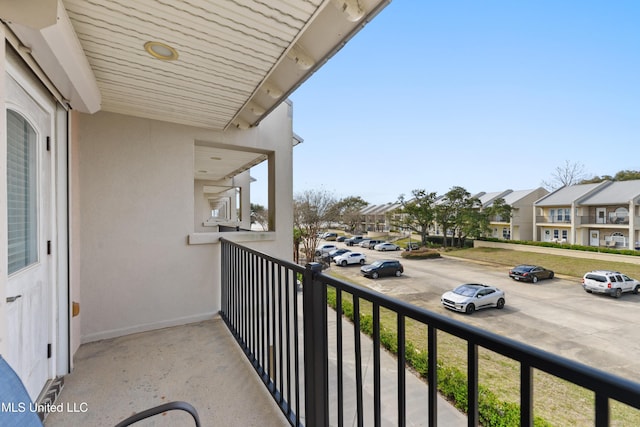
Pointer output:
x,y
486,95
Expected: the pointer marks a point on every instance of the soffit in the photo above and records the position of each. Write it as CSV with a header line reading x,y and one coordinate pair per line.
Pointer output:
x,y
236,59
217,163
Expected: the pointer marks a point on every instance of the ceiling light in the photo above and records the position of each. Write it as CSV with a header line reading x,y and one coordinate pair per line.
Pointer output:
x,y
161,51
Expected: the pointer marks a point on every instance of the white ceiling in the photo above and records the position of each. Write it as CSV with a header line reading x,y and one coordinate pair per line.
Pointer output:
x,y
237,59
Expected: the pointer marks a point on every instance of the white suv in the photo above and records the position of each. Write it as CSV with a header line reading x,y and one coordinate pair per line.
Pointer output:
x,y
350,258
608,282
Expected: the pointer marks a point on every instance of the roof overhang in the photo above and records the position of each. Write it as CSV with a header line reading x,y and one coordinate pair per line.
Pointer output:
x,y
236,61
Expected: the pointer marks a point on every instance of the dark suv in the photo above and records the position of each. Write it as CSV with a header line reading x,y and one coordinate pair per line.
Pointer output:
x,y
384,267
355,240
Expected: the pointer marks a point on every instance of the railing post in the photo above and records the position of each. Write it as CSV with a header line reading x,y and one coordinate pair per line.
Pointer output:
x,y
316,355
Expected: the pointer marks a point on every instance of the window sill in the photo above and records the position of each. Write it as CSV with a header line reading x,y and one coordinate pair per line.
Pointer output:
x,y
235,236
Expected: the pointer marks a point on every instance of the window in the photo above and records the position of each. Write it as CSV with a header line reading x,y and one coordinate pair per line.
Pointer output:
x,y
555,234
552,215
21,192
564,235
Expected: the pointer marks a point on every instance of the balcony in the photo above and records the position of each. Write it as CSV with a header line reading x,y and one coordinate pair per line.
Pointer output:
x,y
545,219
611,220
316,365
498,218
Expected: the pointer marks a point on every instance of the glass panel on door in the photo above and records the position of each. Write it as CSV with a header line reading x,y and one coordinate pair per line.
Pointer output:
x,y
21,193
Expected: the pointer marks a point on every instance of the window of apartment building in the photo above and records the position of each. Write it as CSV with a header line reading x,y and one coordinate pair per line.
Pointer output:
x,y
565,235
505,233
555,234
552,214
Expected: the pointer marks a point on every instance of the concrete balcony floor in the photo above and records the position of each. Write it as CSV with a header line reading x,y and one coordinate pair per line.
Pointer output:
x,y
199,363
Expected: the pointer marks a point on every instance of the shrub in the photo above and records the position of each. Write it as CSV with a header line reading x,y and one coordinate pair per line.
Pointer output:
x,y
422,253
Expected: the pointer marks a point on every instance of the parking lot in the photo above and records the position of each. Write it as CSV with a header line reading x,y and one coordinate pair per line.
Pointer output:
x,y
556,315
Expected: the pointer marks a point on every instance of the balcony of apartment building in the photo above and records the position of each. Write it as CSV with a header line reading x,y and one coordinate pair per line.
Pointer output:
x,y
499,219
548,219
295,346
592,220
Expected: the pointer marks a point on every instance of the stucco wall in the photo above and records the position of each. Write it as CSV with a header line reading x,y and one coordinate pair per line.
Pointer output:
x,y
135,211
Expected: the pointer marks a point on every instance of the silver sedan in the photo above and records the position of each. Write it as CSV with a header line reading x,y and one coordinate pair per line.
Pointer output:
x,y
470,297
386,246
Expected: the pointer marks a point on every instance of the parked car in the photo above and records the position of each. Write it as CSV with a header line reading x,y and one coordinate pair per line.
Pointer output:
x,y
470,297
385,267
350,258
386,246
337,252
412,246
325,249
364,243
341,238
372,243
330,236
609,282
530,273
355,240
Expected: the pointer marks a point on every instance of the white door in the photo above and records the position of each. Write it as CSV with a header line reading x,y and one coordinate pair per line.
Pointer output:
x,y
601,215
594,237
29,288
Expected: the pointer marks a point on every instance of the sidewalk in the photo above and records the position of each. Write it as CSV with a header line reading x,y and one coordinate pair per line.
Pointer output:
x,y
417,408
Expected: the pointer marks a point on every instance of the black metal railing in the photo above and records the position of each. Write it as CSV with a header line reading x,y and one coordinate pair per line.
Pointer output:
x,y
553,219
611,220
285,334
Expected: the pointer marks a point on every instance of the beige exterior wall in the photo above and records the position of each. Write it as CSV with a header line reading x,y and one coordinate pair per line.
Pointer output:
x,y
523,223
135,263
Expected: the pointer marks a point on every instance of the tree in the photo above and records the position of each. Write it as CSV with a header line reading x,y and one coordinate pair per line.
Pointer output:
x,y
479,220
348,211
313,210
297,240
454,212
567,174
500,209
623,175
417,214
259,215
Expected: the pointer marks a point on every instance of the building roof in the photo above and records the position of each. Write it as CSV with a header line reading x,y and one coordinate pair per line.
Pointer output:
x,y
615,193
486,199
379,209
565,196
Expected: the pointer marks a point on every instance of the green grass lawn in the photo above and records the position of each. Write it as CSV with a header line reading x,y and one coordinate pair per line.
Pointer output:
x,y
565,265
